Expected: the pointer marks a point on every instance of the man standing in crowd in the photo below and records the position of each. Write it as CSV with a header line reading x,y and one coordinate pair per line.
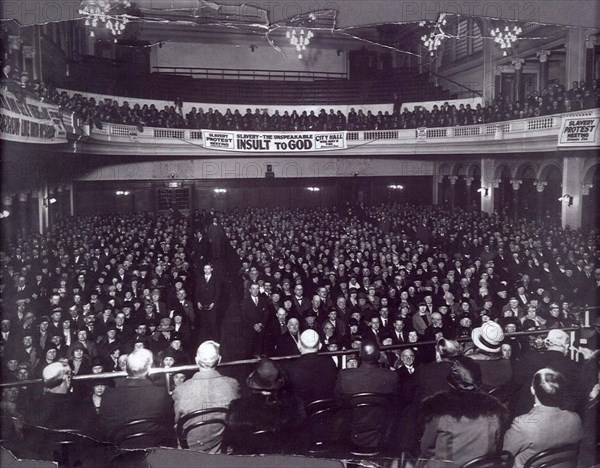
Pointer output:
x,y
206,389
255,315
208,294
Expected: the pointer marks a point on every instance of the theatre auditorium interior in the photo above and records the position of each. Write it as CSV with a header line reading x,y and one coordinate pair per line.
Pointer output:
x,y
300,234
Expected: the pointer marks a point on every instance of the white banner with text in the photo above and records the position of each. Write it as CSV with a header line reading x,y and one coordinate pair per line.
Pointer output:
x,y
579,131
273,142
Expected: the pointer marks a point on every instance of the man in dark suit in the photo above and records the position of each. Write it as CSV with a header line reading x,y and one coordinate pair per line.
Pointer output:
x,y
399,334
287,344
123,404
367,378
301,303
432,377
200,248
312,377
208,292
255,316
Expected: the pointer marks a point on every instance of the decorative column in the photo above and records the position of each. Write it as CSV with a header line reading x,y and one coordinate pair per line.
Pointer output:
x,y
23,212
518,65
571,213
540,185
488,166
590,57
542,56
452,180
437,180
7,224
575,62
468,183
489,75
516,184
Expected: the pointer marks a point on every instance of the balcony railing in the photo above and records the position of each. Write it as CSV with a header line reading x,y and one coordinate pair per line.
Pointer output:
x,y
246,74
515,129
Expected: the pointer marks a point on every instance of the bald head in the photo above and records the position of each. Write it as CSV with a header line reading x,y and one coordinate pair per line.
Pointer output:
x,y
369,352
139,363
208,355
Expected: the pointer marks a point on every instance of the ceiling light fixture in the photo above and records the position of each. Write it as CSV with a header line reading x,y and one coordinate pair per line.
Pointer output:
x,y
506,38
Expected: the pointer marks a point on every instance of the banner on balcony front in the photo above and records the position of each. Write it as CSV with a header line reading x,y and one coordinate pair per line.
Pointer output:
x,y
274,142
579,131
27,120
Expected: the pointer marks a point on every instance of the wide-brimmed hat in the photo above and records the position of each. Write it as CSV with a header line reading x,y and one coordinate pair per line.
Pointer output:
x,y
488,337
266,376
165,328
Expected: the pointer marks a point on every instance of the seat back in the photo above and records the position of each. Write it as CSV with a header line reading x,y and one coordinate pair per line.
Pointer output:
x,y
369,419
321,425
502,459
213,417
563,456
133,433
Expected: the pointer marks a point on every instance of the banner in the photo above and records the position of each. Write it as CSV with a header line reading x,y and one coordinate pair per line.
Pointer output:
x,y
26,120
274,142
579,131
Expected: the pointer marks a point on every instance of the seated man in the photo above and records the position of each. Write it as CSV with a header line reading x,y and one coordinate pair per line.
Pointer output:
x,y
369,377
462,423
206,389
312,376
546,426
137,397
58,408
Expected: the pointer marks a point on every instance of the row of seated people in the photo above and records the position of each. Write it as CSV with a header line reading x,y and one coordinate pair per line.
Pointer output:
x,y
554,99
440,412
52,295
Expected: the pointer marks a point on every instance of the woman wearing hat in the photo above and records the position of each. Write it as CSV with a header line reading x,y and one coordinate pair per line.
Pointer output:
x,y
462,423
268,408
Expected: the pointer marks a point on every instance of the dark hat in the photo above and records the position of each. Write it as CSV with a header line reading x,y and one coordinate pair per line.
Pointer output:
x,y
175,336
353,323
266,376
465,375
43,318
78,345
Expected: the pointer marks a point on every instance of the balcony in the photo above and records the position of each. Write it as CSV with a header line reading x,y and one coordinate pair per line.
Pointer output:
x,y
525,135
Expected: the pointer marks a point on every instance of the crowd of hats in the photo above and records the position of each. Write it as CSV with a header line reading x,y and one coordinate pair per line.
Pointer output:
x,y
364,249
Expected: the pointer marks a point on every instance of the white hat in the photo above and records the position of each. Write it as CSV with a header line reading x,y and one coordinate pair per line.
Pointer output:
x,y
309,339
488,337
557,338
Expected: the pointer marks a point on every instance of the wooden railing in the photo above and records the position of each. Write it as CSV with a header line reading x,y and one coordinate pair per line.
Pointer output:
x,y
248,74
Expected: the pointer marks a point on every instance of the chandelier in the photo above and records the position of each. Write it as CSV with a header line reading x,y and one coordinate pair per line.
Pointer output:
x,y
300,35
299,40
433,40
506,38
97,14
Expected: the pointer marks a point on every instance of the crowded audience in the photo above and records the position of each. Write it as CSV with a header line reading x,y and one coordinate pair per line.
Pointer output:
x,y
554,99
137,291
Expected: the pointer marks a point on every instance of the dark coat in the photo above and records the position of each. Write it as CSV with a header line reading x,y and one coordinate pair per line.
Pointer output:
x,y
367,425
432,378
312,377
282,416
123,404
460,426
